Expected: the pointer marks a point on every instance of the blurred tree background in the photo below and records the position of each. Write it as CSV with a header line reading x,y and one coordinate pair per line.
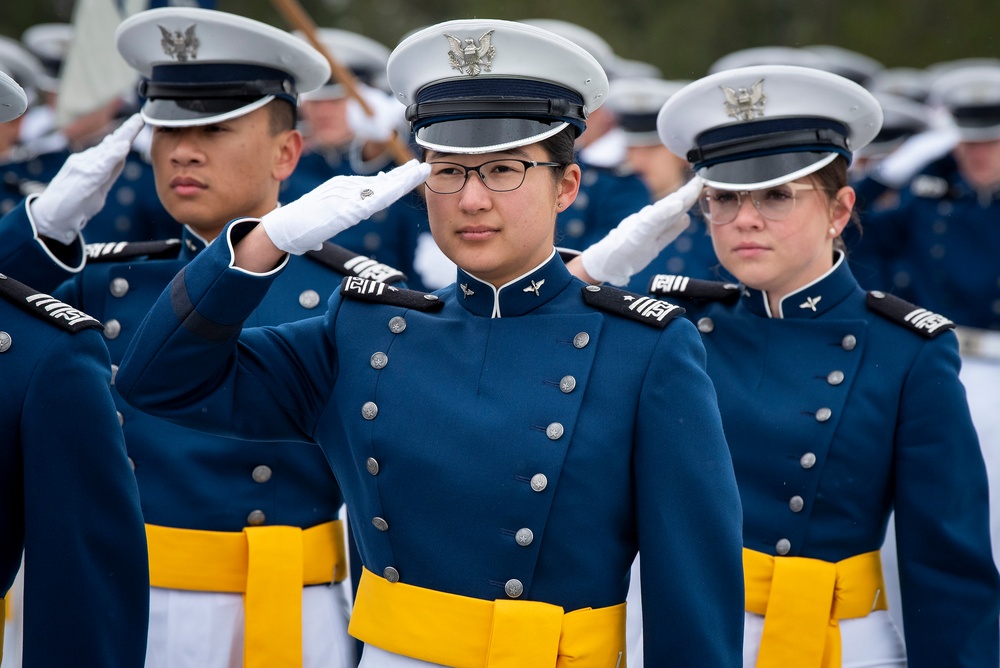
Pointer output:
x,y
681,37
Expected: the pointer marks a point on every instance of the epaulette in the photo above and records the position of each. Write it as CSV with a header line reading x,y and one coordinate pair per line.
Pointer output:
x,y
685,287
931,187
366,290
652,312
119,251
45,307
912,317
350,263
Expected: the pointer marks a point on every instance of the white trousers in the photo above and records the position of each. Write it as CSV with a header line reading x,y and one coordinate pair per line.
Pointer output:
x,y
192,629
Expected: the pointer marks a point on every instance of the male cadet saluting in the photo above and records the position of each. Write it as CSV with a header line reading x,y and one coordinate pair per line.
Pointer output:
x,y
239,532
67,497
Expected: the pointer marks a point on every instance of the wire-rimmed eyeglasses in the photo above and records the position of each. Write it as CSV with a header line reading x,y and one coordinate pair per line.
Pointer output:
x,y
499,176
722,206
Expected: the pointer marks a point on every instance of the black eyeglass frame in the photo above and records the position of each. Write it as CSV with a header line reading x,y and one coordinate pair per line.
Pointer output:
x,y
528,164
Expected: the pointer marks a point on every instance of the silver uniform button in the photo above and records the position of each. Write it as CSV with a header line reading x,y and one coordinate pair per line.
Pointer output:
x,y
131,464
119,287
849,342
796,503
513,588
823,414
431,298
567,384
581,340
309,299
380,524
554,431
783,546
372,465
397,324
256,518
593,288
835,377
524,537
706,325
877,294
5,342
114,373
369,410
379,360
112,328
390,574
539,482
121,419
261,473
807,461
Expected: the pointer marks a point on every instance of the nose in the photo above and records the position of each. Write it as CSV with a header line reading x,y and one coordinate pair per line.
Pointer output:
x,y
475,194
748,214
184,149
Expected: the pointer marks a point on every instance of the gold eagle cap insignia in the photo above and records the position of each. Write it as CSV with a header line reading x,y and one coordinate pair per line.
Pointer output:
x,y
745,104
181,46
470,56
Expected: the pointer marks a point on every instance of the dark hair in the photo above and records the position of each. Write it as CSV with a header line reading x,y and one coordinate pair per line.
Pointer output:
x,y
283,116
560,148
831,179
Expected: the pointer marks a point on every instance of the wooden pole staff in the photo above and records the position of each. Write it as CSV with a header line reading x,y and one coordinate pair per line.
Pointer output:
x,y
296,16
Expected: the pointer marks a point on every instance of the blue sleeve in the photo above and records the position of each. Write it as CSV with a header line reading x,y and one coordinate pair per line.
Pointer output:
x,y
948,581
86,584
692,573
32,260
192,363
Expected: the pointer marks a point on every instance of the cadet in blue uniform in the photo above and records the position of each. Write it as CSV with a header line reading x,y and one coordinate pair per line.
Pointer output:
x,y
208,501
67,497
505,444
839,406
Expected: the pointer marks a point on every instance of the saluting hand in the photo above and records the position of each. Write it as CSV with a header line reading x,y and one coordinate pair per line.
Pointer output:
x,y
638,239
338,204
78,190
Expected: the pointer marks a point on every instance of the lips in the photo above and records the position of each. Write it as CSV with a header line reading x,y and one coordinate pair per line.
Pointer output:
x,y
185,185
477,232
749,249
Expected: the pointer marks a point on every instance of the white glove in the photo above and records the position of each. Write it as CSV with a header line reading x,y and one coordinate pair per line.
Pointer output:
x,y
913,155
338,204
388,115
78,190
638,239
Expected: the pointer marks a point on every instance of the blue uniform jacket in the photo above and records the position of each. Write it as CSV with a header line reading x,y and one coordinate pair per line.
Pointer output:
x,y
935,243
835,415
690,254
67,496
606,197
187,478
452,432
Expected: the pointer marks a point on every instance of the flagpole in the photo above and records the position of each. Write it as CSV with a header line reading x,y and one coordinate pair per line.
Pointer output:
x,y
296,16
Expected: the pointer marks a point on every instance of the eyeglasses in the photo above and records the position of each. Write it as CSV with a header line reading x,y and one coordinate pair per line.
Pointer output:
x,y
498,175
722,206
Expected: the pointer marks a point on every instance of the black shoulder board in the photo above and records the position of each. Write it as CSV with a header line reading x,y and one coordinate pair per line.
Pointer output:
x,y
920,320
366,290
45,307
671,285
119,251
350,263
653,312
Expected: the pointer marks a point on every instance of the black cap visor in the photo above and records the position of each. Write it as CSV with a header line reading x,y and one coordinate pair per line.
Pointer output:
x,y
484,135
764,171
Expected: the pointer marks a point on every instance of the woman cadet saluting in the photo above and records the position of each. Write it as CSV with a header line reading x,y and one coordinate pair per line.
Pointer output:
x,y
838,405
505,444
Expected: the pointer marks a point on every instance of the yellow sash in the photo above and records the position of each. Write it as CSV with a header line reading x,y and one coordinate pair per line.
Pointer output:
x,y
469,632
803,599
269,565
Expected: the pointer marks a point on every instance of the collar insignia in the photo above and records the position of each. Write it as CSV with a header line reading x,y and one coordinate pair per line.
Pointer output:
x,y
810,302
534,287
743,104
180,46
470,57
465,290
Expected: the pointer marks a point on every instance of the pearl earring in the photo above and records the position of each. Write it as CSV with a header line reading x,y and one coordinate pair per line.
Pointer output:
x,y
833,231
